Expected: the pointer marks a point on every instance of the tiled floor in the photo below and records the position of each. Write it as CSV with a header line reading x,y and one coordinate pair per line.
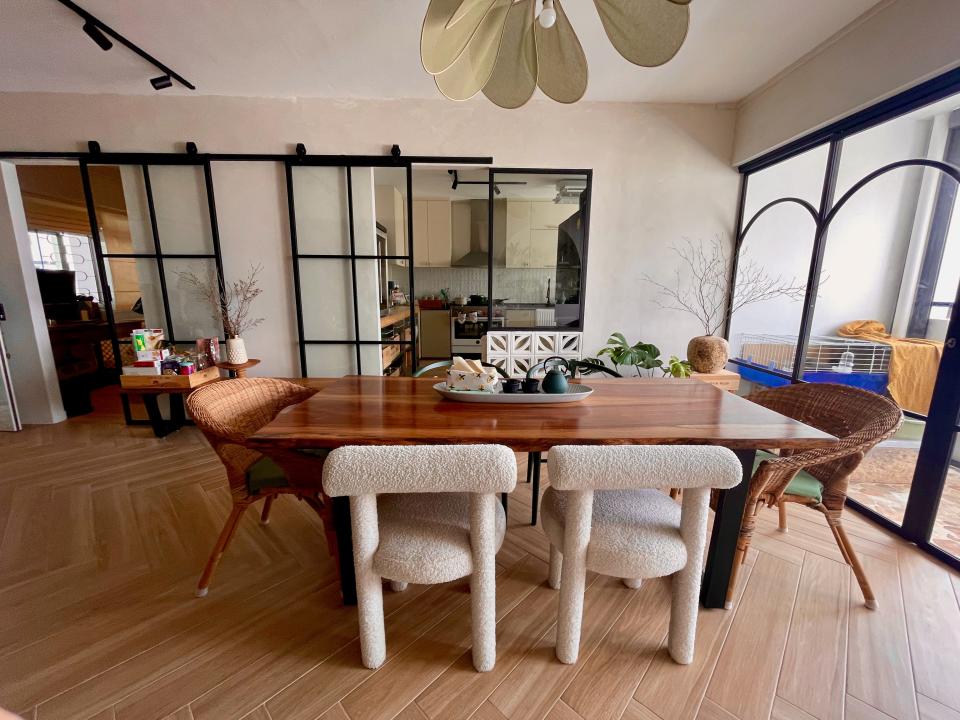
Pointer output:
x,y
103,530
882,483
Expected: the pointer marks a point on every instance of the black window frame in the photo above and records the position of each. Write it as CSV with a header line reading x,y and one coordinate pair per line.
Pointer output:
x,y
942,422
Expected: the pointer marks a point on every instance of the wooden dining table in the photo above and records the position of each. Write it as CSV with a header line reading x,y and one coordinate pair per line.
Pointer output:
x,y
368,410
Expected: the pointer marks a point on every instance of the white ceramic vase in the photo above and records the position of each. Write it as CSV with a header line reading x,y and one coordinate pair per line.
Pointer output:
x,y
236,351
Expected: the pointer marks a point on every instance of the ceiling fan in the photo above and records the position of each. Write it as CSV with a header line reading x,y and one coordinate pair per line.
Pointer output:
x,y
506,49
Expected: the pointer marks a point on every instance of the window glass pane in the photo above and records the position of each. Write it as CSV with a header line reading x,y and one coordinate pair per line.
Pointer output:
x,y
539,244
861,333
946,529
883,479
137,298
320,200
183,212
120,201
191,317
390,188
776,250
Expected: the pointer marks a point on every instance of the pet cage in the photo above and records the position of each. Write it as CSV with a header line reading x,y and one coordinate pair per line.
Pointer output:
x,y
842,360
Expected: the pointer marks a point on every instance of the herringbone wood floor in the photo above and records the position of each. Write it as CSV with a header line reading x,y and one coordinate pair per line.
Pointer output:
x,y
103,530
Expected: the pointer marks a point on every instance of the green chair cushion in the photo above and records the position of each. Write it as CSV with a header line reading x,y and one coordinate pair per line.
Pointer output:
x,y
803,484
265,473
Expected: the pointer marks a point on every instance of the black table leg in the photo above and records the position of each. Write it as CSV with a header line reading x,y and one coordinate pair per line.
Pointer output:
x,y
503,501
341,525
723,540
161,428
178,416
535,490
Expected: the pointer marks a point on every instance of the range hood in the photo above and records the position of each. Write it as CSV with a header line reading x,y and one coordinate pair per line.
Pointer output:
x,y
473,242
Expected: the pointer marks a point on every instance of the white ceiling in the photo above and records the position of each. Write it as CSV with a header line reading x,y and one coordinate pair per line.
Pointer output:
x,y
370,48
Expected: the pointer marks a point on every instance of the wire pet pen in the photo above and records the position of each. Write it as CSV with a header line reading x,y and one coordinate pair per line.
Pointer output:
x,y
847,361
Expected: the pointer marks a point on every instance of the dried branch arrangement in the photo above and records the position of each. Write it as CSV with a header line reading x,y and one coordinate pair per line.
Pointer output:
x,y
232,306
703,294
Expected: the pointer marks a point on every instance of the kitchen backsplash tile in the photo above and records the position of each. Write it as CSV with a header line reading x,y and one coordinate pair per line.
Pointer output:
x,y
519,285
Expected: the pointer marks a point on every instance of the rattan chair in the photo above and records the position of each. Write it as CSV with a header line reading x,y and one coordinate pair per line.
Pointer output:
x,y
230,411
817,478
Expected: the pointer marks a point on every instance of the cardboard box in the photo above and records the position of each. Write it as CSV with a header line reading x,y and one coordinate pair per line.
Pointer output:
x,y
142,368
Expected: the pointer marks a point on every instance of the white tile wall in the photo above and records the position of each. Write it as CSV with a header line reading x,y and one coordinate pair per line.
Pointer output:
x,y
521,285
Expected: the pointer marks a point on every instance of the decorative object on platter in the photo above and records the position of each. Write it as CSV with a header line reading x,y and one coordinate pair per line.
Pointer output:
x,y
575,393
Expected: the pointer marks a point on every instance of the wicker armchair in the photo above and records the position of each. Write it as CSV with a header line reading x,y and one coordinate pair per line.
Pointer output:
x,y
817,478
230,411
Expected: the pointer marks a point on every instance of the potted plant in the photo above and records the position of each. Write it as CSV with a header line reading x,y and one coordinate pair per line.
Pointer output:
x,y
230,305
642,356
700,288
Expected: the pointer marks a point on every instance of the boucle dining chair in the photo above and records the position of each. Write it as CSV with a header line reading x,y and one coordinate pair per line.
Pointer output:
x,y
227,413
817,478
424,514
605,511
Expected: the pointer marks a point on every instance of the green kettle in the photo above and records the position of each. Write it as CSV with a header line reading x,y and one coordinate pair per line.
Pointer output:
x,y
555,379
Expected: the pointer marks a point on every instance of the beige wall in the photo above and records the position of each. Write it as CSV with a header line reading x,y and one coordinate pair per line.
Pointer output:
x,y
661,173
900,44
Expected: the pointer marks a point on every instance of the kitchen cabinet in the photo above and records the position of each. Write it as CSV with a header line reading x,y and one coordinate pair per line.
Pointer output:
x,y
434,334
460,220
549,214
432,233
531,239
543,248
520,318
391,213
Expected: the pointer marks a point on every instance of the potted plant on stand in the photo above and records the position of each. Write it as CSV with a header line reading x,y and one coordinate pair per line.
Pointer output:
x,y
700,288
231,306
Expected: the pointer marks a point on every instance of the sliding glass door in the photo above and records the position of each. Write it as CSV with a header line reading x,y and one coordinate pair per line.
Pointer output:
x,y
151,225
864,230
352,268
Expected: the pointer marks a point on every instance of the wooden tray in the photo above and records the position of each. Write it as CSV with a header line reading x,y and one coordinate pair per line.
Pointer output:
x,y
575,393
171,382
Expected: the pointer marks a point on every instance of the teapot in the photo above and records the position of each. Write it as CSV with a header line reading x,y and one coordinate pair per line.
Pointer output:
x,y
555,379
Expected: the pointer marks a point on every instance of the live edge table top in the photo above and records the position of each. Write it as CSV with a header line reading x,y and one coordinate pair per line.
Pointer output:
x,y
367,410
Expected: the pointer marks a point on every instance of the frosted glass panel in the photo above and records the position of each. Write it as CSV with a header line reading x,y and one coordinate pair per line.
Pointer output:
x,y
320,198
183,215
331,360
326,294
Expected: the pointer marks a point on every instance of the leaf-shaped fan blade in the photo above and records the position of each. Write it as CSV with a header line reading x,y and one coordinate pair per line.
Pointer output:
x,y
514,75
561,64
448,27
680,2
646,32
471,71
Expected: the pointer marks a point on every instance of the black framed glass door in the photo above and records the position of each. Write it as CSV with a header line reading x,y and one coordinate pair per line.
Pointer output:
x,y
150,223
867,218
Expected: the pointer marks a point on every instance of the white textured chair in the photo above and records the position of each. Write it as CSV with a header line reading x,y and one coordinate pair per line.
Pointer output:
x,y
424,514
604,511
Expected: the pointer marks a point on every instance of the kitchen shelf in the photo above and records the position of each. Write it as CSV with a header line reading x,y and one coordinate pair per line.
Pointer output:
x,y
395,316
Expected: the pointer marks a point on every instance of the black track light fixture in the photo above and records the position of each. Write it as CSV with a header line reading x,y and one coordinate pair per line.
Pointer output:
x,y
91,29
105,36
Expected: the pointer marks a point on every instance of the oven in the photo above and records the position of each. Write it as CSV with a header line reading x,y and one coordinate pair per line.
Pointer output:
x,y
467,336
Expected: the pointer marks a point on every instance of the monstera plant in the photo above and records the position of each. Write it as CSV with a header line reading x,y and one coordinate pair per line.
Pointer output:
x,y
642,356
